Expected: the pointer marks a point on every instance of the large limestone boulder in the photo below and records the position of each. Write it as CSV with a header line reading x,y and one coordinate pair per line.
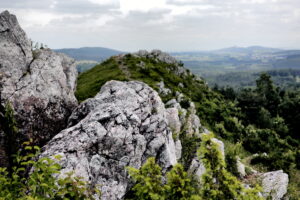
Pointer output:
x,y
123,125
275,184
39,85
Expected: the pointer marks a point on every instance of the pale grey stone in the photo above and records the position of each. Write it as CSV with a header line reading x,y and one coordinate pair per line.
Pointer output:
x,y
115,129
39,84
240,168
162,89
197,168
178,148
173,120
275,184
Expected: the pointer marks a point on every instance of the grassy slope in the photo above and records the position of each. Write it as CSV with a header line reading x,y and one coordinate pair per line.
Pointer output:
x,y
152,72
90,82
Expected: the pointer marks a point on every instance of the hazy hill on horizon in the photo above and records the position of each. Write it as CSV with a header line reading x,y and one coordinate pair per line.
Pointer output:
x,y
207,64
89,53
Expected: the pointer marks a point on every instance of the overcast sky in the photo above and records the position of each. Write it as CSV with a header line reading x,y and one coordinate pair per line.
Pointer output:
x,y
170,25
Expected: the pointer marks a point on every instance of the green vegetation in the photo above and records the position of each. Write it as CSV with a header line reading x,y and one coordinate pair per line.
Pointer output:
x,y
9,126
216,183
147,70
149,184
40,183
30,178
269,117
90,82
287,79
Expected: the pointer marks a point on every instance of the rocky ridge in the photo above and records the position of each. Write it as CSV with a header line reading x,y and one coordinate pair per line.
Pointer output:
x,y
39,85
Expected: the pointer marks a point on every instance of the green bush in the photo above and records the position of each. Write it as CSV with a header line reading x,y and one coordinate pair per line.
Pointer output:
x,y
179,185
149,183
231,154
40,183
217,183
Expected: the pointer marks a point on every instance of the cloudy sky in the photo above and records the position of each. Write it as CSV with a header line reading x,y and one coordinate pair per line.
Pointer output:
x,y
170,25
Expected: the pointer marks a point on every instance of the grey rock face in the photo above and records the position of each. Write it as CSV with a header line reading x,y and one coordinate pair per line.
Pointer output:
x,y
159,55
192,122
123,125
178,148
275,184
197,168
40,85
173,120
240,168
162,89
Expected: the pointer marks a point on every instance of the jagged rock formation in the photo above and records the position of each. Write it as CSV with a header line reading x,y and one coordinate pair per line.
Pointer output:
x,y
160,56
123,125
39,84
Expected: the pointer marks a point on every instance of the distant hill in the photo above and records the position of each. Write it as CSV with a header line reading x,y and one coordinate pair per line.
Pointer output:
x,y
89,53
291,61
247,50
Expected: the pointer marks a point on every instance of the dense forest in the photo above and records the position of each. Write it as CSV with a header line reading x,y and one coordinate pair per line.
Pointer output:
x,y
267,123
287,79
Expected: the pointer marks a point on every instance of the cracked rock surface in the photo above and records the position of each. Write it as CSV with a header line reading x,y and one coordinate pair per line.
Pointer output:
x,y
275,184
39,85
123,125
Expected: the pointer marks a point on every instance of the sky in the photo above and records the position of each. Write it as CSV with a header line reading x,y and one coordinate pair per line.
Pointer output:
x,y
169,25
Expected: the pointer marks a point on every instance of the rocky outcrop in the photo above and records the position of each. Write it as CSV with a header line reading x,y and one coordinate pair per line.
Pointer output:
x,y
274,184
39,84
186,120
160,56
123,125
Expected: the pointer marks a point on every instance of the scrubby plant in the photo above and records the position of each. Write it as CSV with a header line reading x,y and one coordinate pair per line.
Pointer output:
x,y
217,183
8,125
36,179
179,185
149,183
232,153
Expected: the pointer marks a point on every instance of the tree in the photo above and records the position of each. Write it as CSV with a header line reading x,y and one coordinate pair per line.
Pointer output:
x,y
268,94
179,185
217,183
148,181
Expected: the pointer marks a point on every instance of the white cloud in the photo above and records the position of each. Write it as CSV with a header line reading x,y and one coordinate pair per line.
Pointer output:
x,y
105,2
166,24
141,5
